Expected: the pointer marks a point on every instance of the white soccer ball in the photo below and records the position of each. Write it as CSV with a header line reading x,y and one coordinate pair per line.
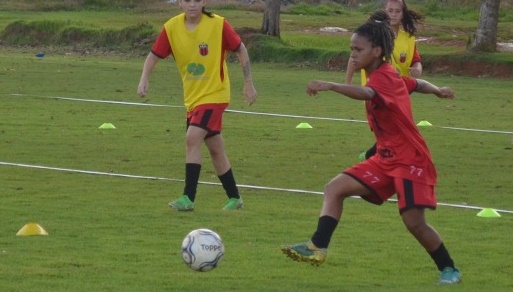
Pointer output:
x,y
202,250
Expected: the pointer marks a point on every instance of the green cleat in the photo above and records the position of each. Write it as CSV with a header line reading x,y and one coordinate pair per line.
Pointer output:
x,y
306,252
233,204
449,276
182,204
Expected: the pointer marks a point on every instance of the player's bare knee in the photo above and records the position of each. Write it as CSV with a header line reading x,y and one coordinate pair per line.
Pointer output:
x,y
416,226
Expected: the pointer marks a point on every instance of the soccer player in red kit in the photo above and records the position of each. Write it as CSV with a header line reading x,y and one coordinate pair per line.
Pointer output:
x,y
403,163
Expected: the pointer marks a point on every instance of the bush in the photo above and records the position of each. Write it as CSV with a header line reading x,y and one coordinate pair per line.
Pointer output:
x,y
67,33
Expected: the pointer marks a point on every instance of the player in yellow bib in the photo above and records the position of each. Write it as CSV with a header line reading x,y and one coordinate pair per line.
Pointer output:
x,y
405,57
198,41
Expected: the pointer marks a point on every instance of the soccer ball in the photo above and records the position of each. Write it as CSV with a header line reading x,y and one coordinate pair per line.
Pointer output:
x,y
202,250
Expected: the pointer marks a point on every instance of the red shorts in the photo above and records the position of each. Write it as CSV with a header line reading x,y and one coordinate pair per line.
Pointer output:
x,y
410,194
208,117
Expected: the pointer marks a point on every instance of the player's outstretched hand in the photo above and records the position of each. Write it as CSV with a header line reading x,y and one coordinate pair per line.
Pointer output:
x,y
446,92
315,86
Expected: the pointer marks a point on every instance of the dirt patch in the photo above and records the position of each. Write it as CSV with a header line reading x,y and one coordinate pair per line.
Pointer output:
x,y
470,68
247,34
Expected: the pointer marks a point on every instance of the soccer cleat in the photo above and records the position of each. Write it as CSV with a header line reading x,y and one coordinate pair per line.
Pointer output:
x,y
449,276
182,204
305,252
233,204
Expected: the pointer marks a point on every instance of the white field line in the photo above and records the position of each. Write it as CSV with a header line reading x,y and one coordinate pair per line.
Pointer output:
x,y
245,112
234,111
212,183
176,106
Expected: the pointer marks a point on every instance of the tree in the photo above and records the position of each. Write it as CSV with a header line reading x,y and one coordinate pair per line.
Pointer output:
x,y
271,22
485,39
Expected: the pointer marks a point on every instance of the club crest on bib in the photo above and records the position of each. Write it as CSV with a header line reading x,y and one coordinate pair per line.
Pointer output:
x,y
203,49
402,57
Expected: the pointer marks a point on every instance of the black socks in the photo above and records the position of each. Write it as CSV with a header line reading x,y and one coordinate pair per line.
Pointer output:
x,y
442,258
192,173
325,228
229,185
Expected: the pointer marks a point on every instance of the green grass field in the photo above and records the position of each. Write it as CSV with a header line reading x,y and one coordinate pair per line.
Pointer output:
x,y
102,194
111,233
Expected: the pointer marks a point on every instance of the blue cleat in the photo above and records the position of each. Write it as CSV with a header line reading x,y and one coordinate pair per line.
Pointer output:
x,y
449,276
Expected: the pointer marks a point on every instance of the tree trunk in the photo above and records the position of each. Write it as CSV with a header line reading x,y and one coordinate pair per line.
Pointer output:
x,y
485,39
271,22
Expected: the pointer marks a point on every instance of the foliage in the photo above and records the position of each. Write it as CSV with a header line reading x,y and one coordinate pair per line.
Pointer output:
x,y
435,9
69,33
270,49
55,5
131,32
322,9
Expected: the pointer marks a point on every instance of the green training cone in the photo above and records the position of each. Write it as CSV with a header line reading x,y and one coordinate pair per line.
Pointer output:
x,y
424,123
303,126
107,126
488,213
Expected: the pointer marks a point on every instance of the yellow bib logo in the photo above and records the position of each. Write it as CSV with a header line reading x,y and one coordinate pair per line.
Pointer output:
x,y
195,69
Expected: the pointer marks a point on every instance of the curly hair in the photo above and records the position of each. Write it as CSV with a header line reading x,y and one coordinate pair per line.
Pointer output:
x,y
378,31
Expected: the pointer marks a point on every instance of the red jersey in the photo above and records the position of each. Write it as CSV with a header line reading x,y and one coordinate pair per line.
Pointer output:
x,y
401,149
416,56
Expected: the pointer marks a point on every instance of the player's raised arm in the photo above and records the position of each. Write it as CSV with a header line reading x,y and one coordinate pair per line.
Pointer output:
x,y
424,86
351,91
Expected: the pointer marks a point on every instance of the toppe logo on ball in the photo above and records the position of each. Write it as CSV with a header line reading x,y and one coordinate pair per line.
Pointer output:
x,y
202,250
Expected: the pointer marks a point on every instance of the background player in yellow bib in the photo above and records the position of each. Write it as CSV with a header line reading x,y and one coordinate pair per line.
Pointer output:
x,y
198,41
